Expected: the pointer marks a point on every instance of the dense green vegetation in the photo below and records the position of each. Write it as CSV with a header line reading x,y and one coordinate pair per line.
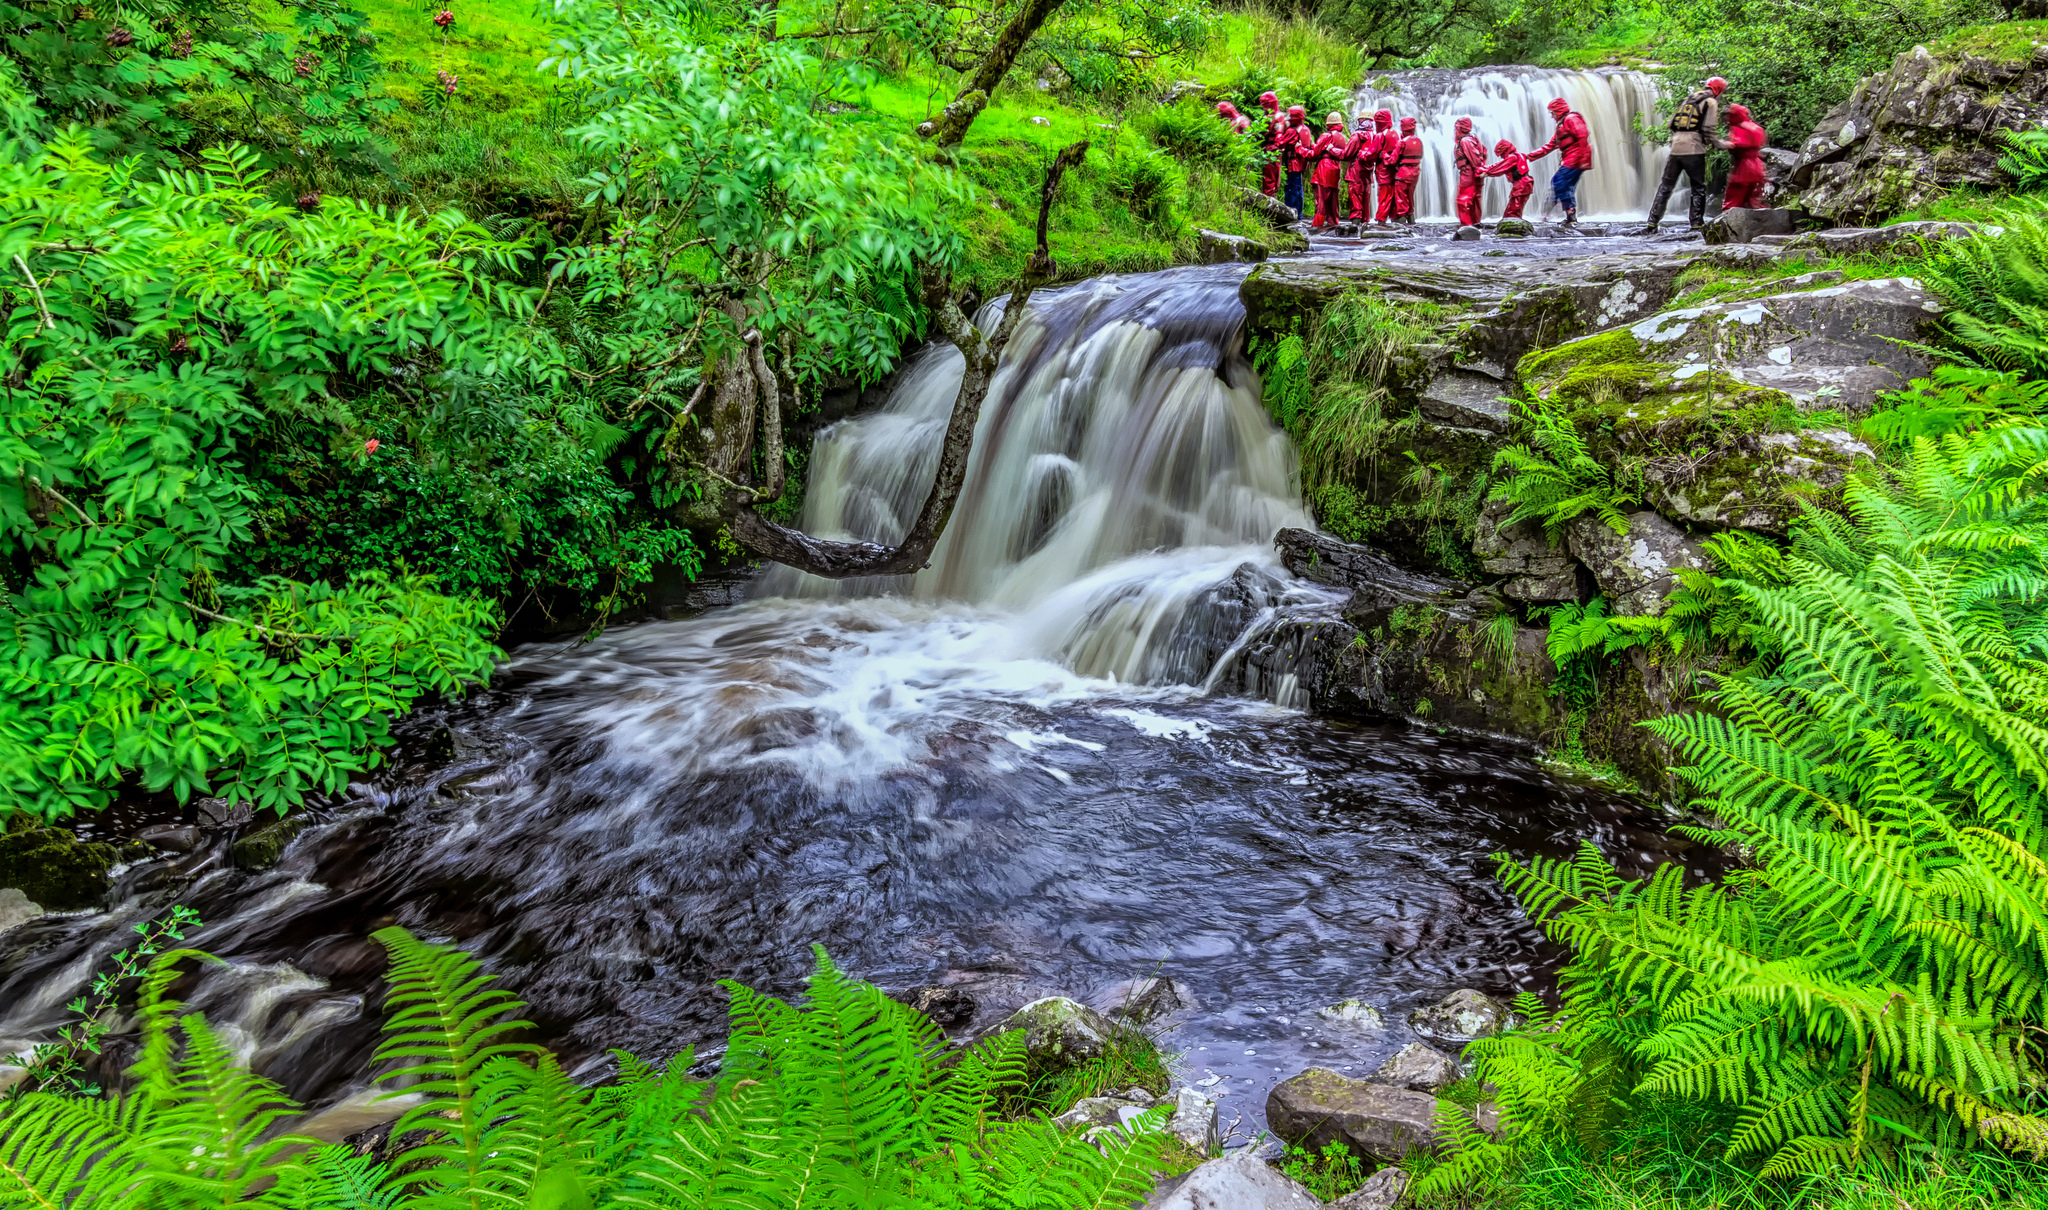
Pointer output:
x,y
849,1099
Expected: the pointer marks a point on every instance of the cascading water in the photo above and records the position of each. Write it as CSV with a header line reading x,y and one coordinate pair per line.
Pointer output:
x,y
1509,103
1001,775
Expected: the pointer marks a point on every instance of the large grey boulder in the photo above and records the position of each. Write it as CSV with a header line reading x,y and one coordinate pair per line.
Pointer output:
x,y
1418,1068
1376,1121
1638,570
1921,129
1463,1016
1742,225
1539,571
1194,1122
16,909
1898,240
1275,212
1238,1181
1217,248
1060,1033
1354,1015
1465,399
1381,1191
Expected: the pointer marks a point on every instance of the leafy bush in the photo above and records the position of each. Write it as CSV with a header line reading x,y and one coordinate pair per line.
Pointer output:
x,y
1192,130
1956,399
155,324
1147,184
850,1099
1553,479
2026,158
1877,977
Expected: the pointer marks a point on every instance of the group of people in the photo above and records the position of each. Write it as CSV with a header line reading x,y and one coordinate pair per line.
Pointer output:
x,y
1376,158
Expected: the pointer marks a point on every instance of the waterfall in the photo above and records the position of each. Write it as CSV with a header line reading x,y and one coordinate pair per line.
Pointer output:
x,y
1123,465
1508,103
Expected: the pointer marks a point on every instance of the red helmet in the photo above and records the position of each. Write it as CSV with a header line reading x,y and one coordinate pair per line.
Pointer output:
x,y
1738,113
1384,119
1560,106
1716,85
1464,126
1268,100
1504,148
1296,111
1407,125
1226,109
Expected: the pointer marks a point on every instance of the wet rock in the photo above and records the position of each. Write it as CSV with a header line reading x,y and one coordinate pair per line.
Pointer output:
x,y
1092,1113
215,813
1217,248
1381,1191
1466,400
1468,234
174,838
1740,226
1520,549
1143,1001
52,867
1238,1181
1060,1033
1753,481
1417,1067
1921,129
1514,228
1636,571
1354,1014
17,909
262,848
1899,239
1194,1122
1377,583
950,1008
1463,1016
1377,1122
1274,211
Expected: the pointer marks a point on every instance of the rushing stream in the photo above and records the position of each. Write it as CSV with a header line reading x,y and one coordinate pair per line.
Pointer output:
x,y
1003,774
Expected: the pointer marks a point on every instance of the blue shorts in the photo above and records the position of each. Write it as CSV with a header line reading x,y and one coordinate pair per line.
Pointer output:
x,y
1564,186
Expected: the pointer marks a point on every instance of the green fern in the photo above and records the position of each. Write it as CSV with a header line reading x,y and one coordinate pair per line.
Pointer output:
x,y
1876,975
1552,478
1996,285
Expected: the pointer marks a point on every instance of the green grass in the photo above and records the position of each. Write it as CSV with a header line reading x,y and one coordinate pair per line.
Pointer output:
x,y
1972,206
2001,40
1627,39
1266,41
1132,1061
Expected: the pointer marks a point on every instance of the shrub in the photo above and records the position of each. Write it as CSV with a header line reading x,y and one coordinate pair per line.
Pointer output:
x,y
1996,286
849,1099
1553,479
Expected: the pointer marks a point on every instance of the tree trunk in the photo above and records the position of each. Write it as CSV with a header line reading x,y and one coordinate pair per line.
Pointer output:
x,y
841,560
951,125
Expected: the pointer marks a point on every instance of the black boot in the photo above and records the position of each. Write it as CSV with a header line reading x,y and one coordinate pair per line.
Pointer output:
x,y
1571,217
1699,208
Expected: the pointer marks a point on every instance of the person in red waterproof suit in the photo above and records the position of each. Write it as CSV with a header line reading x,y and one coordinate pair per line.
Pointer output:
x,y
1328,153
1470,156
1362,154
1383,167
1514,166
1270,171
1576,144
1238,122
1746,142
1297,141
1407,170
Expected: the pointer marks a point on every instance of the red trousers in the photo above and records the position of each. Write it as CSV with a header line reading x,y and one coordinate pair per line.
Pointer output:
x,y
1468,201
1385,172
1361,198
1743,195
1269,179
1518,195
1404,197
1326,207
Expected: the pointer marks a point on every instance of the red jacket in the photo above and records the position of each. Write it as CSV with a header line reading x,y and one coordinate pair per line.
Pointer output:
x,y
1408,158
1514,166
1297,142
1470,156
1746,143
1328,150
1276,126
1363,151
1573,139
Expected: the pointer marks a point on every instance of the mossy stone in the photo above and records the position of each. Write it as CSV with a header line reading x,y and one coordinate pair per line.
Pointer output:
x,y
260,849
55,869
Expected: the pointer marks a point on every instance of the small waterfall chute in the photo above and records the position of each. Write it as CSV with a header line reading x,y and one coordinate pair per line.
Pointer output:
x,y
1509,103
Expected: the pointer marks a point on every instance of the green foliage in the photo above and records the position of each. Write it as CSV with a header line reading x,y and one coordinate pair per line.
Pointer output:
x,y
1130,1060
1582,639
1875,978
2026,158
1552,479
1957,399
1146,183
1996,287
848,1100
1329,1174
161,78
1191,130
59,1063
152,326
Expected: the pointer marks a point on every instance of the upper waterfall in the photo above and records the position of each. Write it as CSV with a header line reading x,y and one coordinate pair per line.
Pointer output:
x,y
1508,103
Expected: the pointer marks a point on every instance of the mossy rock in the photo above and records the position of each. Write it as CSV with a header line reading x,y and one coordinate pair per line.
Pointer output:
x,y
56,869
260,849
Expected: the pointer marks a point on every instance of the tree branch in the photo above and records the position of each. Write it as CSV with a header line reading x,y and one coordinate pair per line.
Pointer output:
x,y
842,560
279,636
951,125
